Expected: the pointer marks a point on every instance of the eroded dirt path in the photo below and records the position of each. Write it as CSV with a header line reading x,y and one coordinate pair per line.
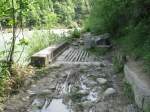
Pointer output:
x,y
76,82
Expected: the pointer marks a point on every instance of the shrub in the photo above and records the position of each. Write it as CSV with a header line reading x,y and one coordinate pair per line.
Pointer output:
x,y
76,33
128,22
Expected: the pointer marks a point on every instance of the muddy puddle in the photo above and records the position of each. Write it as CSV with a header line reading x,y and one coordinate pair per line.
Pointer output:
x,y
56,105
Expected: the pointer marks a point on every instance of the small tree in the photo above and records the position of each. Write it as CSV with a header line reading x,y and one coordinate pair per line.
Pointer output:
x,y
12,48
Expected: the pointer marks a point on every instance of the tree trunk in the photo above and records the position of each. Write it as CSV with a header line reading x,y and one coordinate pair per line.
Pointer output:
x,y
12,48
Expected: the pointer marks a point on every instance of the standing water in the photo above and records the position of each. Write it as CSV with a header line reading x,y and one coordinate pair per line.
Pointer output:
x,y
55,106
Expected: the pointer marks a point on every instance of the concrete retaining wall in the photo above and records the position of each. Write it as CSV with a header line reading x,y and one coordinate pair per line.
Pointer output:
x,y
140,83
47,55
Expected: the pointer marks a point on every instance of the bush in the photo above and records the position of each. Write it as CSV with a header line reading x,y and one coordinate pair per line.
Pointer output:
x,y
104,16
76,33
128,22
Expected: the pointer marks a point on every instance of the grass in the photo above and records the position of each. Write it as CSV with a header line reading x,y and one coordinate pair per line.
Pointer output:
x,y
98,51
11,83
42,40
128,92
118,62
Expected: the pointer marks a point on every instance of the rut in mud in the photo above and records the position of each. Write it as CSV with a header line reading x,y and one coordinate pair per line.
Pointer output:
x,y
76,82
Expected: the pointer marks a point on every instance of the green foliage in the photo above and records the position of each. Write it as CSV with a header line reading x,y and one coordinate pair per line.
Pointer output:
x,y
128,91
104,16
118,62
4,77
127,21
43,12
76,33
51,20
24,41
41,40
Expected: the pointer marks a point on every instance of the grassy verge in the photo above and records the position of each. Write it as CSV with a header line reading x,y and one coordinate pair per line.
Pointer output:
x,y
42,40
11,83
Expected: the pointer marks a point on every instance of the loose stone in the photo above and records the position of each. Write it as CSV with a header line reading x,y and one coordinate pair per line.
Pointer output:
x,y
109,91
101,81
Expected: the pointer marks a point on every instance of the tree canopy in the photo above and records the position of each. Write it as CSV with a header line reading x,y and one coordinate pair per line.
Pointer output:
x,y
43,12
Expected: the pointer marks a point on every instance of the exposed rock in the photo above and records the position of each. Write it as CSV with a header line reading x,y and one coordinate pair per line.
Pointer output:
x,y
101,107
102,39
101,81
131,108
102,75
31,92
102,65
89,43
83,92
90,83
55,65
64,75
38,103
75,44
99,40
87,104
109,91
28,82
25,98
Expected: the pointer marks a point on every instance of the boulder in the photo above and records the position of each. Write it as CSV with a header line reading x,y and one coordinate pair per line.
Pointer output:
x,y
103,39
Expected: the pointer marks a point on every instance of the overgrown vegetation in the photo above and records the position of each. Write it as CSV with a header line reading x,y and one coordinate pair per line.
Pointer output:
x,y
11,83
44,13
127,21
76,33
118,61
41,40
128,91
